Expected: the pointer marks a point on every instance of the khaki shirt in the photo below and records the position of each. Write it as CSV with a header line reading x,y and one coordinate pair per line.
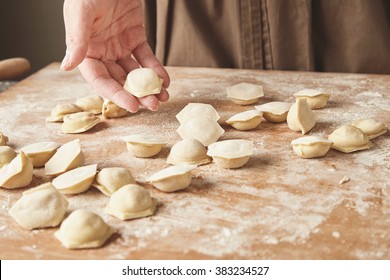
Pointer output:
x,y
306,35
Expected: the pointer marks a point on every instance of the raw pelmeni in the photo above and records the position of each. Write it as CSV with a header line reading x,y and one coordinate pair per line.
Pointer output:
x,y
231,153
91,103
370,127
40,153
40,207
7,154
194,110
188,151
143,81
3,139
77,180
17,174
83,229
173,178
300,117
246,120
245,93
110,179
140,145
130,202
349,138
110,110
274,111
316,99
79,122
61,110
67,157
311,146
201,128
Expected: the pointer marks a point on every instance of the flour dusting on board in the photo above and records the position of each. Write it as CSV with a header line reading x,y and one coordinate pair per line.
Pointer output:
x,y
276,206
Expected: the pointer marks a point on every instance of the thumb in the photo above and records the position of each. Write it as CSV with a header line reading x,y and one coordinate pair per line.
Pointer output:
x,y
78,19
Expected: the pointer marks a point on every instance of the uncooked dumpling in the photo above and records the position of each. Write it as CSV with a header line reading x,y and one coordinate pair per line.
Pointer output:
x,y
17,174
316,99
110,179
195,110
83,229
245,93
188,151
201,128
370,127
3,139
130,202
7,154
67,157
246,120
77,180
274,111
231,153
91,103
349,138
311,146
110,110
40,153
173,178
40,207
140,145
79,122
300,117
143,81
61,110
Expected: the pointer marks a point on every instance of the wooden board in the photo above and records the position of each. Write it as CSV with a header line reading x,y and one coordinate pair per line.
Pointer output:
x,y
276,207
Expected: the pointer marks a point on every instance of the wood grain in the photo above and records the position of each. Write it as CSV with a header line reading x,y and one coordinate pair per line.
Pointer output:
x,y
278,206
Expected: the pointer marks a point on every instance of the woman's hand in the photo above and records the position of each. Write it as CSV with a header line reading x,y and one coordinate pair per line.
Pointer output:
x,y
106,39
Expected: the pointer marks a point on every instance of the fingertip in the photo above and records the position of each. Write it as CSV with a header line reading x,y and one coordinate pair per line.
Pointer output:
x,y
130,104
163,96
150,102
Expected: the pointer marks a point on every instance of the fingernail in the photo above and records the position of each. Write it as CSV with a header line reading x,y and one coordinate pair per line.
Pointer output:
x,y
65,61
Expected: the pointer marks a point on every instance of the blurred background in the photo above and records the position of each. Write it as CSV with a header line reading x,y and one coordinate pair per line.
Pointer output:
x,y
33,29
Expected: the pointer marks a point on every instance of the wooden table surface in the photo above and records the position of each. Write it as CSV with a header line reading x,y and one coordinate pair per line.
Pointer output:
x,y
278,206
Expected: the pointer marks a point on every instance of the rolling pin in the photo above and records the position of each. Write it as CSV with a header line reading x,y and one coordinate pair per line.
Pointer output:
x,y
13,68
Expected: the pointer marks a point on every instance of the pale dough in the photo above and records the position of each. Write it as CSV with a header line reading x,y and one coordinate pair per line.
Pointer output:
x,y
76,181
194,110
140,145
79,122
3,139
91,103
316,99
61,110
245,93
188,151
370,127
173,178
7,154
40,207
201,128
17,174
40,153
67,157
110,179
300,117
141,82
131,202
246,120
83,229
349,138
274,111
311,146
231,153
110,110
